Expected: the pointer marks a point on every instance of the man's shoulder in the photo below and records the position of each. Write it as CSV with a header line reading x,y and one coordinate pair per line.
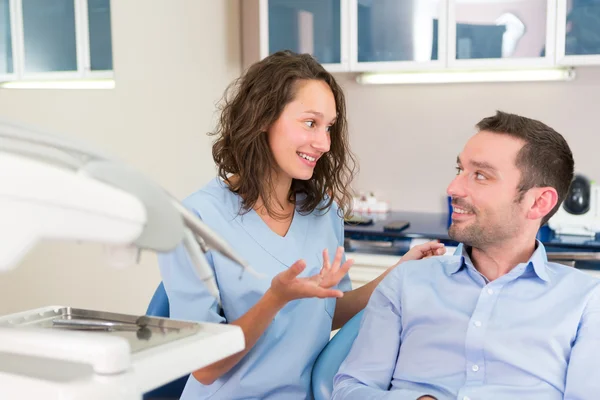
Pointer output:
x,y
427,267
585,281
417,273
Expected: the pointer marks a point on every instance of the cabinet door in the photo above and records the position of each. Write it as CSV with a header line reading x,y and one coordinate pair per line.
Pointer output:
x,y
317,27
578,32
397,34
6,50
99,30
49,36
501,33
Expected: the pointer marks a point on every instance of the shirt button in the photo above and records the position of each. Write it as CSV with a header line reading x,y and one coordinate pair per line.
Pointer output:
x,y
475,368
490,291
477,323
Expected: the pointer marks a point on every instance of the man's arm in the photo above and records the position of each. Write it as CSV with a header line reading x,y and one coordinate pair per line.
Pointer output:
x,y
584,365
367,371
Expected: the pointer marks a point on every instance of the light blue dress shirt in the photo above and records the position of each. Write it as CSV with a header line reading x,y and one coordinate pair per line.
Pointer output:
x,y
437,327
280,363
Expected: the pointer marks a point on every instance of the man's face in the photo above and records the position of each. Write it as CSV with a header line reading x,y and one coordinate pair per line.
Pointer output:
x,y
484,193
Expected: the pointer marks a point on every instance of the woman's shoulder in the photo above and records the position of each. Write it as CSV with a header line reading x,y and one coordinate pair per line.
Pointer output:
x,y
331,213
214,196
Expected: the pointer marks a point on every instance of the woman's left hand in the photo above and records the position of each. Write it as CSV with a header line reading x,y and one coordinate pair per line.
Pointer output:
x,y
429,249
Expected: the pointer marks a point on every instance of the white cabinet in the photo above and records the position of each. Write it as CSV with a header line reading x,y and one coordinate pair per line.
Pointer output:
x,y
58,39
578,32
397,34
317,27
418,35
501,33
6,50
368,267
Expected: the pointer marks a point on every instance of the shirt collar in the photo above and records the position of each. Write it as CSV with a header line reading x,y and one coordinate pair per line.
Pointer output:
x,y
538,260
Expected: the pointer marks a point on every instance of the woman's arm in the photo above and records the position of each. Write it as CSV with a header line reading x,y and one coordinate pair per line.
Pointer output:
x,y
357,299
285,287
253,324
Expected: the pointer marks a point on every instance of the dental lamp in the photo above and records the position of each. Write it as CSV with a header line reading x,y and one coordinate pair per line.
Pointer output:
x,y
55,188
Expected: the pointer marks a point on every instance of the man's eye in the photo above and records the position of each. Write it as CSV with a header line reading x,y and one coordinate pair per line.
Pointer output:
x,y
479,176
458,170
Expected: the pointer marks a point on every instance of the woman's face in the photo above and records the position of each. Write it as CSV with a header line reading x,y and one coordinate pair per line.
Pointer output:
x,y
300,136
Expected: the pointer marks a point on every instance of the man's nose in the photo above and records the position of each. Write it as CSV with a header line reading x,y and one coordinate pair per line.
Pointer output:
x,y
456,187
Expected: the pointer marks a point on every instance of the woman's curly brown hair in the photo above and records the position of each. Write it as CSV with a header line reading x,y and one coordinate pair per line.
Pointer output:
x,y
251,104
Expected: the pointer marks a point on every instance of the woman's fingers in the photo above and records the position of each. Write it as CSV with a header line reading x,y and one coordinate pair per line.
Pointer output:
x,y
334,278
326,266
293,271
324,293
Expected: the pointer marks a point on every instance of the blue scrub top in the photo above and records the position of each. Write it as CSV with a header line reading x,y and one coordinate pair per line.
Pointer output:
x,y
279,365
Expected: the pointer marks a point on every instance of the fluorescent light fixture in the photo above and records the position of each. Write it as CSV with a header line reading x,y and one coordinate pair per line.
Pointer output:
x,y
518,75
60,84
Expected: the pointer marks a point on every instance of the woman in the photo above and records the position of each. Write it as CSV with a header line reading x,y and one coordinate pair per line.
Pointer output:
x,y
284,169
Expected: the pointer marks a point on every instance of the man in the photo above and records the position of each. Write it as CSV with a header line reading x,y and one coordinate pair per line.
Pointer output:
x,y
497,320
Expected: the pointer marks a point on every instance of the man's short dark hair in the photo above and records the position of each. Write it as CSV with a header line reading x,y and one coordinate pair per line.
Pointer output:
x,y
544,161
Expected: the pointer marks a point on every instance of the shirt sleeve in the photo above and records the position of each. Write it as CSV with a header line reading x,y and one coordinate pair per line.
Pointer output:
x,y
582,373
368,369
189,299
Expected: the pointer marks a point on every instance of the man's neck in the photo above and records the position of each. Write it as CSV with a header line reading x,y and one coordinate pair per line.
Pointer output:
x,y
498,260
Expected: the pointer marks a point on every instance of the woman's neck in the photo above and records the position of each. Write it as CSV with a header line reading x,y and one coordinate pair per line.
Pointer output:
x,y
280,194
278,197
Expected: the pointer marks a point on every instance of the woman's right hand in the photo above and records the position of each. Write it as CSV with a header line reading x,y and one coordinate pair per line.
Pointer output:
x,y
286,286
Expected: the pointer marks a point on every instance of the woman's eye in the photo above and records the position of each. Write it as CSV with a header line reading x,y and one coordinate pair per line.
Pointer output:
x,y
310,124
479,176
458,170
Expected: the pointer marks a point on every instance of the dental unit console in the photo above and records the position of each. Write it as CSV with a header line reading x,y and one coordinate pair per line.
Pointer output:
x,y
579,214
55,188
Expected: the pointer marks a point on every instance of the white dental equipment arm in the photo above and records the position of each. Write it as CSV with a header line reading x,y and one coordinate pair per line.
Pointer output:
x,y
54,188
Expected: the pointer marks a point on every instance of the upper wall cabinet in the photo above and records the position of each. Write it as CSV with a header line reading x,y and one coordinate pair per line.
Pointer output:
x,y
397,34
578,32
6,51
385,35
317,27
58,39
49,36
501,33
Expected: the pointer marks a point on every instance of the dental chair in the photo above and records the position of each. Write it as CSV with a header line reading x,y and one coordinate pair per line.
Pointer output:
x,y
332,356
325,368
159,307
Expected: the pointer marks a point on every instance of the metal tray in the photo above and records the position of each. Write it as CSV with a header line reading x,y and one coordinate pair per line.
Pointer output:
x,y
141,332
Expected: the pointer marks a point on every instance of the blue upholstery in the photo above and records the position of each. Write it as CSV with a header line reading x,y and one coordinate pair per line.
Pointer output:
x,y
332,356
159,307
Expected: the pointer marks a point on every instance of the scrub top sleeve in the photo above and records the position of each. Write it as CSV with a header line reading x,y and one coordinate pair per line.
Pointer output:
x,y
189,298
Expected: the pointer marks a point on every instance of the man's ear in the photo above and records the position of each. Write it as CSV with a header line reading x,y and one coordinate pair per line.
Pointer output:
x,y
544,200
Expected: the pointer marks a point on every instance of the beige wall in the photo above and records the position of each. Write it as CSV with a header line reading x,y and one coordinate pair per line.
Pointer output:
x,y
407,137
172,61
